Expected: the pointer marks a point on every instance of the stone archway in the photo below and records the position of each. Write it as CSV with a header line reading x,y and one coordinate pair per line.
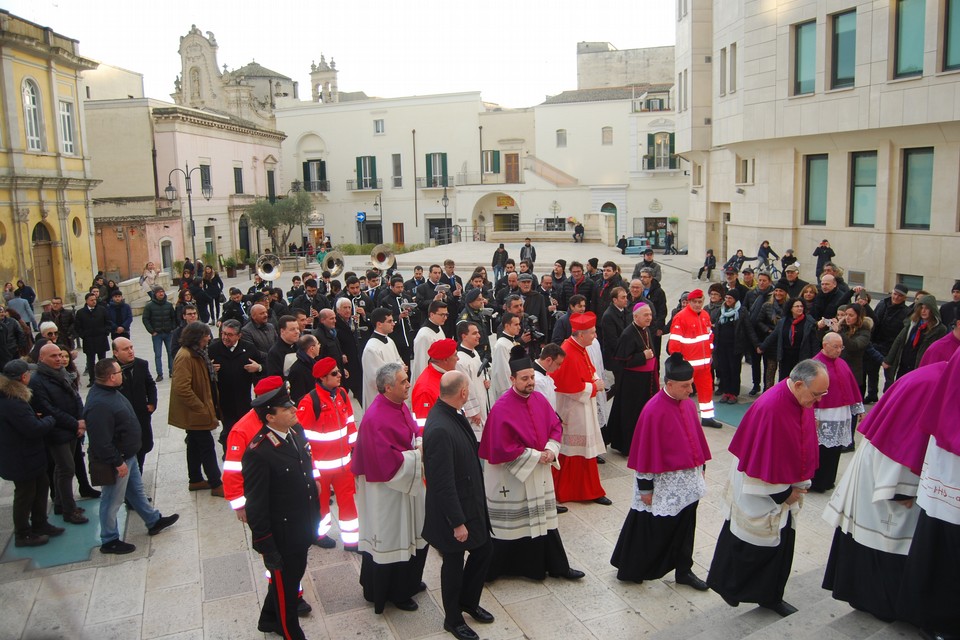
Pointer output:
x,y
496,211
43,276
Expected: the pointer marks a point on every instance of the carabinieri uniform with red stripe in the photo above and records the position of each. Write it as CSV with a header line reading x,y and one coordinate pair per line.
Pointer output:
x,y
332,435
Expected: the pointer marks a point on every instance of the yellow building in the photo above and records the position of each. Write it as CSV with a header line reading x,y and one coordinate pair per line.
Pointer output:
x,y
46,223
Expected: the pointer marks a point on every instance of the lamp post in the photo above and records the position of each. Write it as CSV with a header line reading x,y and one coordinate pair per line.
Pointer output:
x,y
171,193
445,201
378,207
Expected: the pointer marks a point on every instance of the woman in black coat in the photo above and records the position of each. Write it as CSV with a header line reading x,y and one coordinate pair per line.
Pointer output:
x,y
213,287
794,339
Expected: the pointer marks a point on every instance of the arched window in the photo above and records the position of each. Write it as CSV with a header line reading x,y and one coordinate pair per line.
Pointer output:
x,y
31,115
41,234
606,135
609,207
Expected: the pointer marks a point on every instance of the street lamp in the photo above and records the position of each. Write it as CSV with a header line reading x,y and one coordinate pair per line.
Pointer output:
x,y
171,193
378,207
445,201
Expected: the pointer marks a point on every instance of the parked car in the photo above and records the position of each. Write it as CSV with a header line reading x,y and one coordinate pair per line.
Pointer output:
x,y
637,245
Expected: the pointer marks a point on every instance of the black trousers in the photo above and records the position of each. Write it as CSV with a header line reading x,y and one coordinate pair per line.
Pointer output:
x,y
280,605
202,458
92,358
461,585
30,503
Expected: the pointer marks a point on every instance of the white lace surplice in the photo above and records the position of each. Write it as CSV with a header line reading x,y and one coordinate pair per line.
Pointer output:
x,y
835,426
672,491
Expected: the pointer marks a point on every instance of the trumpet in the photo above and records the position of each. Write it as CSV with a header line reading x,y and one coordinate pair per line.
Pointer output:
x,y
269,267
382,258
333,262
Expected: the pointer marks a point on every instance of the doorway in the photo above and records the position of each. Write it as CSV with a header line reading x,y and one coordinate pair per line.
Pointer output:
x,y
44,283
166,257
512,166
243,232
398,234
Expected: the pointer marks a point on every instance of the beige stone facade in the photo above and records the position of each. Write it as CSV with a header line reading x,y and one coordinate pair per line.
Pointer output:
x,y
806,121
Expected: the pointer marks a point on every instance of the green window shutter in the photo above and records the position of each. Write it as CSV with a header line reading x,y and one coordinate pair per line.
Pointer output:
x,y
323,170
306,176
373,172
359,184
651,144
673,153
443,168
496,162
429,173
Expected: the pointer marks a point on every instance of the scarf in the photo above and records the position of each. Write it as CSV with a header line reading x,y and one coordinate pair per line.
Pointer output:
x,y
918,332
729,314
793,327
206,359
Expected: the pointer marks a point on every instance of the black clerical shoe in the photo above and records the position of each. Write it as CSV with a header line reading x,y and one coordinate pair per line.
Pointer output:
x,y
269,627
710,422
730,601
783,609
461,631
406,605
422,587
303,607
325,542
604,500
562,509
600,460
478,613
571,574
755,390
691,580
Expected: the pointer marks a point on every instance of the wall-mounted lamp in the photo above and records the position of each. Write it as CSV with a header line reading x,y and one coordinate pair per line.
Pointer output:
x,y
694,191
211,219
741,190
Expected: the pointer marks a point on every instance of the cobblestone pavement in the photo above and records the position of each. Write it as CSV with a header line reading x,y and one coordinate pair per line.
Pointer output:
x,y
201,579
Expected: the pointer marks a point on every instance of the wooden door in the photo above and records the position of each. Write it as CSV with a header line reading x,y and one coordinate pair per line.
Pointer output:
x,y
512,162
43,270
398,233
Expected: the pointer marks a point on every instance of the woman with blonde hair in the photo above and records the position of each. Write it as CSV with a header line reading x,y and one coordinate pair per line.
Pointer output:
x,y
807,294
148,278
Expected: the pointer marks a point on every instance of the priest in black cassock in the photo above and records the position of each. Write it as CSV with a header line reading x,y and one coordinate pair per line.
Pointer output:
x,y
668,457
637,377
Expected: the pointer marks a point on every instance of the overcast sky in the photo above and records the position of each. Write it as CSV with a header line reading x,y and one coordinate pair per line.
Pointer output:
x,y
515,52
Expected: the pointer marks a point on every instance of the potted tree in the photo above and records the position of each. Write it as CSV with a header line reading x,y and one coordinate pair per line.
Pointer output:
x,y
177,272
230,264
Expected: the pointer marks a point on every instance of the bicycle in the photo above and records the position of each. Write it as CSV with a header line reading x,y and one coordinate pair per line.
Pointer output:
x,y
770,268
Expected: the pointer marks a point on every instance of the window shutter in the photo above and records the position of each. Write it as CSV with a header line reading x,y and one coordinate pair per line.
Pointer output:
x,y
651,144
373,172
673,154
443,168
306,176
359,184
496,162
429,170
323,170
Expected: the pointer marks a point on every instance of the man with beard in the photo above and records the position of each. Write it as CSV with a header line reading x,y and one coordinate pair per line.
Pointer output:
x,y
140,389
668,456
520,444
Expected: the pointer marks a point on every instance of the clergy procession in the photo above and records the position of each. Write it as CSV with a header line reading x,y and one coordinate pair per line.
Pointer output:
x,y
478,420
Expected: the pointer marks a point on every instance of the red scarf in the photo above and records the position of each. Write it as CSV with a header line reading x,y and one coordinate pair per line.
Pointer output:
x,y
919,330
793,327
577,283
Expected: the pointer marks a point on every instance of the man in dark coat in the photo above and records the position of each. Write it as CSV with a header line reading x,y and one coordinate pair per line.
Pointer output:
x,y
120,314
311,301
238,366
300,375
615,319
23,458
54,396
140,389
93,327
577,283
890,314
349,344
282,354
326,333
427,293
653,292
234,309
456,517
282,508
64,320
395,298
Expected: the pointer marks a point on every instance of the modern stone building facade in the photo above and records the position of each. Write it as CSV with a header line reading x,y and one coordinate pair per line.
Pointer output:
x,y
806,121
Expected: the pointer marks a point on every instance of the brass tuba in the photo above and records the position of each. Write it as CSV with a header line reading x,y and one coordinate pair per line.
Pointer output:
x,y
269,267
333,262
382,258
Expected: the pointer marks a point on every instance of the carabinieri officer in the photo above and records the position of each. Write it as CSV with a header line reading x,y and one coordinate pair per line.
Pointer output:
x,y
282,507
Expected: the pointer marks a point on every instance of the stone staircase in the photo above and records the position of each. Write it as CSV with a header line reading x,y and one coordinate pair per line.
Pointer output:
x,y
820,617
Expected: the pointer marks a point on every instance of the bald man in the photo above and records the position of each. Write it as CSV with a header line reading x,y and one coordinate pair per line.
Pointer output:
x,y
259,331
140,389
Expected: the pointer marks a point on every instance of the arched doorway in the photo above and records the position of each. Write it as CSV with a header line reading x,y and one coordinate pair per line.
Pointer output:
x,y
609,208
244,235
43,282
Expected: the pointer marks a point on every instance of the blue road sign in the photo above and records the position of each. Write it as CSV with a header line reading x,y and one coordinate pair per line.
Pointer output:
x,y
361,216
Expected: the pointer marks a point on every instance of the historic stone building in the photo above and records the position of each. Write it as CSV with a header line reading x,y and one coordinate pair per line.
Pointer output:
x,y
809,121
46,226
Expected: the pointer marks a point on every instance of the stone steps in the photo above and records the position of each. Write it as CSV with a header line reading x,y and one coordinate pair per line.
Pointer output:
x,y
819,617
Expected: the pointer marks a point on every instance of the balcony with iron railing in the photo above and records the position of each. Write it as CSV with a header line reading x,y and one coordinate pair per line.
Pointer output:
x,y
471,178
645,105
435,182
316,185
365,184
668,163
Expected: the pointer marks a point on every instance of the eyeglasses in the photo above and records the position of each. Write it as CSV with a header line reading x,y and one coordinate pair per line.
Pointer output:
x,y
335,372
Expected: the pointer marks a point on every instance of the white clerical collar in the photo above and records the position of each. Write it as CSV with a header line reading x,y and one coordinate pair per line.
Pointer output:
x,y
671,397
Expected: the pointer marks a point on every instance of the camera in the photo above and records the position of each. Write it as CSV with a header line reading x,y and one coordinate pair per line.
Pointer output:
x,y
531,324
